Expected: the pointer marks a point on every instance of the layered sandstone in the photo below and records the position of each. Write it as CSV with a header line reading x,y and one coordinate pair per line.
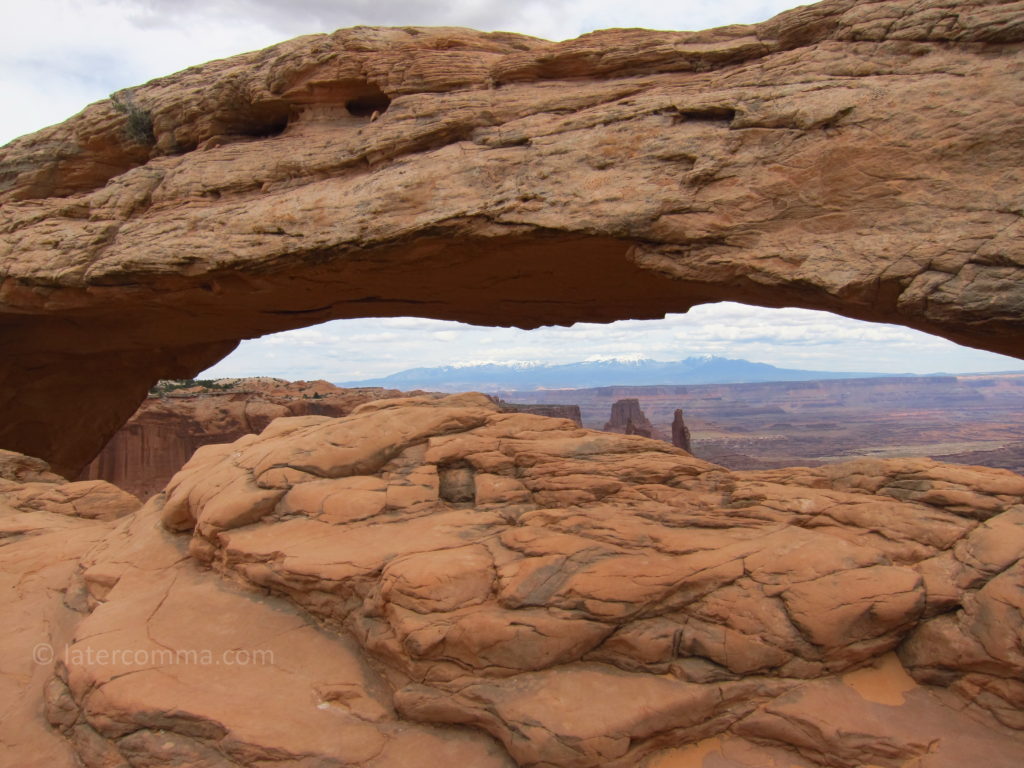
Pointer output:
x,y
434,582
858,157
168,427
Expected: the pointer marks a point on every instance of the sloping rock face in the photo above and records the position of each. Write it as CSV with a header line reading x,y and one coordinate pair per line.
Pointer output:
x,y
166,430
432,580
858,157
46,526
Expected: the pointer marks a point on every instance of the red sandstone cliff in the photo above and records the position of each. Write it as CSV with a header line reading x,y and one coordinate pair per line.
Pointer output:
x,y
628,419
167,429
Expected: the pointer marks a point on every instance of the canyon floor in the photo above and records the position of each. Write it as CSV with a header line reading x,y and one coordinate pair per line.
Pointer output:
x,y
966,419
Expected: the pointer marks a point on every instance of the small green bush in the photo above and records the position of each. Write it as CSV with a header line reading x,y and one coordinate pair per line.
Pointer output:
x,y
139,127
164,386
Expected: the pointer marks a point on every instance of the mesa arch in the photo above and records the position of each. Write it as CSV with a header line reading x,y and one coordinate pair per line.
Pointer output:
x,y
859,157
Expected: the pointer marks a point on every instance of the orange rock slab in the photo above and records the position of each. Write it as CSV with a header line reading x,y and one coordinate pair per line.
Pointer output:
x,y
628,605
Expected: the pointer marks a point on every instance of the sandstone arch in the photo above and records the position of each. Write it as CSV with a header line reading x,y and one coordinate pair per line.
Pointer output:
x,y
858,157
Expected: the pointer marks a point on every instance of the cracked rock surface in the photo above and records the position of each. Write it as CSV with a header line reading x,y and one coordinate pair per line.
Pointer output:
x,y
429,581
857,156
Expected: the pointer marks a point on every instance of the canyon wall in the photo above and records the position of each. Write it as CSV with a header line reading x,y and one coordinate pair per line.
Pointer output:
x,y
168,428
969,419
858,157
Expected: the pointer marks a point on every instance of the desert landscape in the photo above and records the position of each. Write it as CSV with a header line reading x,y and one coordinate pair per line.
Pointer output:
x,y
378,579
977,419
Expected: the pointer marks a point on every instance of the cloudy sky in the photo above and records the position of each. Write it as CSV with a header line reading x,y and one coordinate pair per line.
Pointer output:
x,y
56,56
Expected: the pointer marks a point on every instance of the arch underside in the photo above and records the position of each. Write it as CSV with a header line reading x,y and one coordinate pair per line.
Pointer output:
x,y
502,180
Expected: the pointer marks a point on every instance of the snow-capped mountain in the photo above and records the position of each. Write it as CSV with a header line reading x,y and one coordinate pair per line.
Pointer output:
x,y
499,377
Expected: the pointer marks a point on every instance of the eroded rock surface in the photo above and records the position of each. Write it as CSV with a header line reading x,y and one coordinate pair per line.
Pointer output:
x,y
167,428
46,526
433,580
858,157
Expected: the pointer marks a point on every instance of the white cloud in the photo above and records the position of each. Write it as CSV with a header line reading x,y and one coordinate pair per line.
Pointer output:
x,y
346,350
57,56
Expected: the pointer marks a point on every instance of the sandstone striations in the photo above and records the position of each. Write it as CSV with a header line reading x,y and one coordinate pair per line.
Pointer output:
x,y
433,580
169,426
858,157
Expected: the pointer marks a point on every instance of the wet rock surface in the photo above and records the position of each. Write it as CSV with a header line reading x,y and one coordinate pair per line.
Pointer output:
x,y
432,580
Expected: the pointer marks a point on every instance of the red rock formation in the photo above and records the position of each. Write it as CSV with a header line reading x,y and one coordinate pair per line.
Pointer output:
x,y
967,419
167,429
628,419
434,582
680,432
801,161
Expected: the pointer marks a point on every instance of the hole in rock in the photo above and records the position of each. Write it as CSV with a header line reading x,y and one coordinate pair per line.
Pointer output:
x,y
757,388
457,484
366,104
261,121
723,114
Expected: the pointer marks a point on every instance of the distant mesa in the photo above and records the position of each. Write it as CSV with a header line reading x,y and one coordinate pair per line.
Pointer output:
x,y
628,419
555,411
969,419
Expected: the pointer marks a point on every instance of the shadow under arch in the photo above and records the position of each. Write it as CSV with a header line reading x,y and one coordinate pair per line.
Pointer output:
x,y
541,185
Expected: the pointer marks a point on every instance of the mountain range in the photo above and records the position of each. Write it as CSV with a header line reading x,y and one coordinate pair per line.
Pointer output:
x,y
495,377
